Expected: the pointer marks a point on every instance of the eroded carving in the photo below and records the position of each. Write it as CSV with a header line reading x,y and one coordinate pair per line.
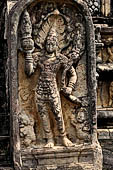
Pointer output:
x,y
56,69
27,134
94,6
111,94
98,34
59,43
80,121
104,67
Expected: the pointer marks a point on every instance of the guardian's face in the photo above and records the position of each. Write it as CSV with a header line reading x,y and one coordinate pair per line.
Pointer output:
x,y
81,117
51,44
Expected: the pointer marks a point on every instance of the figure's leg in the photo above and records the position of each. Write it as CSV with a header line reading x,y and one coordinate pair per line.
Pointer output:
x,y
42,109
57,110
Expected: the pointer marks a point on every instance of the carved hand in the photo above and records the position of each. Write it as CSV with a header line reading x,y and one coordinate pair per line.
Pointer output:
x,y
67,90
28,67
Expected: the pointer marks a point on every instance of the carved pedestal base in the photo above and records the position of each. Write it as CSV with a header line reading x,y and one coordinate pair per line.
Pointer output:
x,y
87,157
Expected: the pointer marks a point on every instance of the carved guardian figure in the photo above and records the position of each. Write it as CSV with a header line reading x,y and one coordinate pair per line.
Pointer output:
x,y
49,61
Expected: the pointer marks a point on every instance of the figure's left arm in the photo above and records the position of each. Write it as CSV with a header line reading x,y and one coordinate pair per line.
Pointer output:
x,y
74,56
68,68
73,77
66,64
31,62
72,81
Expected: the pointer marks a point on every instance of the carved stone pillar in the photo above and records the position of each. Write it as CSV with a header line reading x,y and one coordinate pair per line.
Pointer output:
x,y
105,7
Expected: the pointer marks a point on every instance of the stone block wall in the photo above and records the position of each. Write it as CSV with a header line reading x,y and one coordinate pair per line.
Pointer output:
x,y
105,137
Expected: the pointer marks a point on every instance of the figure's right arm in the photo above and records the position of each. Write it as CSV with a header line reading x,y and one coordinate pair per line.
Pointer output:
x,y
31,61
29,64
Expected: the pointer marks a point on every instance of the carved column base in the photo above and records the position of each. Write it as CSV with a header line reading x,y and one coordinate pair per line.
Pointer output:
x,y
80,157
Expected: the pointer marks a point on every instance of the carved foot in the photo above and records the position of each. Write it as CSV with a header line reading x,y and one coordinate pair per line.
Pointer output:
x,y
50,143
110,103
66,142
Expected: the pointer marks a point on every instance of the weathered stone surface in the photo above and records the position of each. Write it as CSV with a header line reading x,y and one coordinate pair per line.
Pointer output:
x,y
105,113
26,129
47,62
107,148
57,40
104,100
111,133
94,6
4,116
61,157
103,134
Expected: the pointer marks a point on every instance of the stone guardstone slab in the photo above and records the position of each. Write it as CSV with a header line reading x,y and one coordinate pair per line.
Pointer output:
x,y
52,79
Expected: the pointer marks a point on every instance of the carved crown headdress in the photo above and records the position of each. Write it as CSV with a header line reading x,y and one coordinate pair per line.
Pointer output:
x,y
52,32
